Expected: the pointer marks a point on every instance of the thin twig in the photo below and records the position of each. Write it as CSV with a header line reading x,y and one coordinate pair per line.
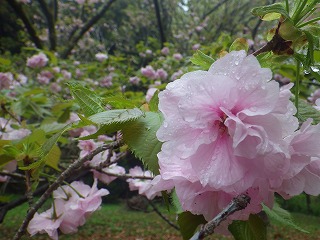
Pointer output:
x,y
69,171
238,203
162,216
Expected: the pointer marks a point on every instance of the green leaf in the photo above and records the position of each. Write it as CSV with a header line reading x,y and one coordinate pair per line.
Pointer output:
x,y
53,157
282,216
88,100
239,44
202,60
46,149
307,111
119,102
115,116
252,229
140,136
175,202
4,61
271,16
4,159
153,104
273,8
188,223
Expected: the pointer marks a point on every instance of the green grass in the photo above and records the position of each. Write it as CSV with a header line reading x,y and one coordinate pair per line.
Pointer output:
x,y
115,221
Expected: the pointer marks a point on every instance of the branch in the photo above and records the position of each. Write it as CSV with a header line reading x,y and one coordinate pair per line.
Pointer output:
x,y
162,216
50,22
76,37
216,7
157,9
17,7
68,172
238,203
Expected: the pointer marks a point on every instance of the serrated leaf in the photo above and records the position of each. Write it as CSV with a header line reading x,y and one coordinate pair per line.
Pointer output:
x,y
280,215
140,136
88,100
273,8
115,116
188,223
202,60
118,102
239,44
307,111
53,157
46,148
154,102
252,229
176,203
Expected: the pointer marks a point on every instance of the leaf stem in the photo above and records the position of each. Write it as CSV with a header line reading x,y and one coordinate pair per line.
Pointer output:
x,y
297,86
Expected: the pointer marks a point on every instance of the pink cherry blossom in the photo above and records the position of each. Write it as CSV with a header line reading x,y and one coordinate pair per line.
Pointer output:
x,y
112,169
175,75
66,74
6,80
149,72
150,93
101,57
165,51
196,46
231,130
45,223
162,74
36,61
106,81
134,80
177,56
142,185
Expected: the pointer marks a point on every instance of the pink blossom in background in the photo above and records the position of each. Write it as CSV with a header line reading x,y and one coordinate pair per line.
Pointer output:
x,y
281,79
112,169
165,51
176,75
134,80
55,87
37,61
80,1
162,74
196,46
66,74
101,57
9,167
149,72
199,28
231,130
16,134
106,81
56,69
6,80
44,77
142,185
150,94
22,79
177,56
314,96
149,52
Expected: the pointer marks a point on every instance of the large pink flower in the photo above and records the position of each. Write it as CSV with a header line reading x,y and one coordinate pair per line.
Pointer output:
x,y
227,131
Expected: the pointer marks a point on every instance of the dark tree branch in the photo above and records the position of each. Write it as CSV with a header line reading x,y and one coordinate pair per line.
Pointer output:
x,y
50,22
76,37
17,7
157,9
77,165
216,7
162,216
238,203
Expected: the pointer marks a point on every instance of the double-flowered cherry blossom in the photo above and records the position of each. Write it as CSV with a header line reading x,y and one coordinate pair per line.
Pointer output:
x,y
232,130
72,206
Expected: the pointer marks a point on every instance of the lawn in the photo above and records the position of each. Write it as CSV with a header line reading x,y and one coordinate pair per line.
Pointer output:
x,y
115,221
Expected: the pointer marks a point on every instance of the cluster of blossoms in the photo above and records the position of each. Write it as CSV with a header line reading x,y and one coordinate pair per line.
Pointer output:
x,y
72,205
7,132
150,73
37,61
231,130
